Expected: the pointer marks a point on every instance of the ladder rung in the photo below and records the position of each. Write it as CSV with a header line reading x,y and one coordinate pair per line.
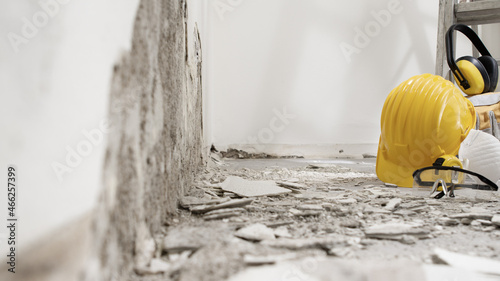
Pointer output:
x,y
482,12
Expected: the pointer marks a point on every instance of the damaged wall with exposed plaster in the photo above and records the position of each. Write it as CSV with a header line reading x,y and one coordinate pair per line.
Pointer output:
x,y
145,137
155,143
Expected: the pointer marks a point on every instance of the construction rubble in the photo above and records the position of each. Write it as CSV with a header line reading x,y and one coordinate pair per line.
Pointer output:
x,y
257,219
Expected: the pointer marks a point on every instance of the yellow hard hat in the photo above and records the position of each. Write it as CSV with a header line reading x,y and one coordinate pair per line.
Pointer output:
x,y
423,118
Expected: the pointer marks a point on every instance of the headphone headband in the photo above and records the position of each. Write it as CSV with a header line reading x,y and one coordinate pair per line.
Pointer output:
x,y
450,52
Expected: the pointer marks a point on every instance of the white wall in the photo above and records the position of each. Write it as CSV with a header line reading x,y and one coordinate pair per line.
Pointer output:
x,y
489,35
55,86
269,55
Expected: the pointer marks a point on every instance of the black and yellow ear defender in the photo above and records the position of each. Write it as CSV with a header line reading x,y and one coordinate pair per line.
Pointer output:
x,y
474,75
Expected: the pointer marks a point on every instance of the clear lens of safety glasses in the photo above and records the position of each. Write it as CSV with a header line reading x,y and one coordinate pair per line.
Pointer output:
x,y
447,179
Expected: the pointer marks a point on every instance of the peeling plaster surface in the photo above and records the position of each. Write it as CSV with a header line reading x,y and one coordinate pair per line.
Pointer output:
x,y
154,146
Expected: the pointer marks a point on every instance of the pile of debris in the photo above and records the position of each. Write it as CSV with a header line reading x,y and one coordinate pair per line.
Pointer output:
x,y
236,218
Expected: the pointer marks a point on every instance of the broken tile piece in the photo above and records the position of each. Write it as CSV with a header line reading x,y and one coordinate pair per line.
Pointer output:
x,y
290,185
268,259
476,264
255,232
474,216
485,222
336,188
373,210
189,201
306,243
396,231
309,207
447,221
236,203
248,188
347,201
223,213
393,204
496,220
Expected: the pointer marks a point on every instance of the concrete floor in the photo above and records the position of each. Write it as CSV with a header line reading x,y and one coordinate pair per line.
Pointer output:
x,y
348,199
351,186
365,165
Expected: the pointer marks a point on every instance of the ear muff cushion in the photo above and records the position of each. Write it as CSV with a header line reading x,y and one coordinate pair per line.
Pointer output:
x,y
491,66
475,73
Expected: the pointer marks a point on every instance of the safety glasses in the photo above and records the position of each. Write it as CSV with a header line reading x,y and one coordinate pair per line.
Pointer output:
x,y
446,179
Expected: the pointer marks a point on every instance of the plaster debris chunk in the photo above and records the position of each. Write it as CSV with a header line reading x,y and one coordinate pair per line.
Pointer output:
x,y
336,188
474,216
393,204
306,243
496,220
404,213
255,232
419,209
236,203
485,222
144,252
396,231
448,222
279,223
341,252
156,266
188,202
309,207
475,264
223,213
282,231
373,210
305,213
347,201
291,185
408,239
489,228
330,207
351,223
475,223
246,188
466,221
268,259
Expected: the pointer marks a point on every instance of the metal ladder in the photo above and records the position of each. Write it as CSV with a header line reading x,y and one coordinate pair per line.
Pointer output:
x,y
471,13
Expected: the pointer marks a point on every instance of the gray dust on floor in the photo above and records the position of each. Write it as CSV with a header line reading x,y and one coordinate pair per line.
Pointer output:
x,y
318,208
